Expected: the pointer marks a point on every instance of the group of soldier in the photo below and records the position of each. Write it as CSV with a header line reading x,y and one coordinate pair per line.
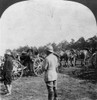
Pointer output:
x,y
70,57
50,68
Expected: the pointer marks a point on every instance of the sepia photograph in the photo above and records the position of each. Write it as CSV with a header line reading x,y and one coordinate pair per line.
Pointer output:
x,y
48,49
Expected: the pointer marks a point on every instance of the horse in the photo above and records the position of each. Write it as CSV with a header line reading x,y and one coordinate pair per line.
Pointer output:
x,y
64,59
68,57
72,57
83,56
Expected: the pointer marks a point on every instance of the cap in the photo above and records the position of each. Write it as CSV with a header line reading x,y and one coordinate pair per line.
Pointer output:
x,y
8,52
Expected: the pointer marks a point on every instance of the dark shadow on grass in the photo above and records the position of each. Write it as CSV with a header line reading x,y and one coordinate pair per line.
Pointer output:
x,y
83,73
93,95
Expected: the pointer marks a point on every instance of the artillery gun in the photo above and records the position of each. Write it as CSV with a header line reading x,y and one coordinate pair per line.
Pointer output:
x,y
19,69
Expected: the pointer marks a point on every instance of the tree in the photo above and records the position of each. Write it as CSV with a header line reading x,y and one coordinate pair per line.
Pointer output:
x,y
72,41
63,45
55,47
81,43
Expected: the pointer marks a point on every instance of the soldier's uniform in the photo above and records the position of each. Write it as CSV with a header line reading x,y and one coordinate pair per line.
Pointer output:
x,y
7,72
50,75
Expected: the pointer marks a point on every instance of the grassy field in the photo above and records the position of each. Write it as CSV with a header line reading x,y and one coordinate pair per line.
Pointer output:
x,y
69,88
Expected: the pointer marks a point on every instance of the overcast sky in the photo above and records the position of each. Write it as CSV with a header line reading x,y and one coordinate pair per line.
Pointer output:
x,y
38,22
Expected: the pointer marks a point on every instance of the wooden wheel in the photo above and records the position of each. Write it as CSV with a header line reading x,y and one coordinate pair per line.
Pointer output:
x,y
38,66
94,60
1,68
17,70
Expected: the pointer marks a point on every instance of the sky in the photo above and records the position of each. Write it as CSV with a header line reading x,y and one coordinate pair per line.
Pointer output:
x,y
38,22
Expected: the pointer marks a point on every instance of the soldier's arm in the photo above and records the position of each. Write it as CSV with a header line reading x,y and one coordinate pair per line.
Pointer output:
x,y
58,64
45,65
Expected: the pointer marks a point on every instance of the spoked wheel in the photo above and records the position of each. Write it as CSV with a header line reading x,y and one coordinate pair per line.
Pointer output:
x,y
94,60
1,68
1,74
38,66
17,70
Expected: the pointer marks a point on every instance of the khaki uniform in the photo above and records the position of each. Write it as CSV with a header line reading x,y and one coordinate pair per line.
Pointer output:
x,y
50,76
51,64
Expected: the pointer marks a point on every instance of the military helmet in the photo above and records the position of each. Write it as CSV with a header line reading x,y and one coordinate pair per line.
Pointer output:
x,y
50,48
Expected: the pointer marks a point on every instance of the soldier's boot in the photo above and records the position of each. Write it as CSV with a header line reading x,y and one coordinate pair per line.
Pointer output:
x,y
9,87
56,98
6,89
55,94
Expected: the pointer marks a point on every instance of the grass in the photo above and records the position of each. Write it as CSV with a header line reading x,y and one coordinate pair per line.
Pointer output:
x,y
69,87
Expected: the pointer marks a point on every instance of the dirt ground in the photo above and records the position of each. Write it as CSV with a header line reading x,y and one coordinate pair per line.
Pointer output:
x,y
33,88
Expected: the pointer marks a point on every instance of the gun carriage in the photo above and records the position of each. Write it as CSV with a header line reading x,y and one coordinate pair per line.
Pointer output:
x,y
25,66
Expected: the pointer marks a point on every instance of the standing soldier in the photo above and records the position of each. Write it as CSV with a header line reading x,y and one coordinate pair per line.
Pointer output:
x,y
50,75
7,72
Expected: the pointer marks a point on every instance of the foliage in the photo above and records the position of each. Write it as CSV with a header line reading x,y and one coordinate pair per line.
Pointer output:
x,y
81,43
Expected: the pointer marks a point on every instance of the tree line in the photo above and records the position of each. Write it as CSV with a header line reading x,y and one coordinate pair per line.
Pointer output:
x,y
81,43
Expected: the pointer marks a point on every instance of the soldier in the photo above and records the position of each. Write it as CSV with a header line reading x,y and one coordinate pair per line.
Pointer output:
x,y
50,75
7,72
